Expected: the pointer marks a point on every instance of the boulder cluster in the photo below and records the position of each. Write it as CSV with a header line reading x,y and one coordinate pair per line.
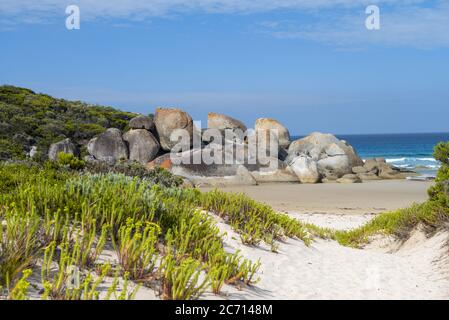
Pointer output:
x,y
316,158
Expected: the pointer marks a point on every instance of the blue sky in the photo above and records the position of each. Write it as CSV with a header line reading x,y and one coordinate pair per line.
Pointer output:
x,y
311,64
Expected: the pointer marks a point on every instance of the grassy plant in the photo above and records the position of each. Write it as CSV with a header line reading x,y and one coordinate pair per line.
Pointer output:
x,y
136,247
192,233
68,282
76,251
180,280
20,291
19,243
70,161
233,268
125,293
217,276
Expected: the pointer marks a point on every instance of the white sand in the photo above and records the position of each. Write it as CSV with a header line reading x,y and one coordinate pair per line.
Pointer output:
x,y
326,270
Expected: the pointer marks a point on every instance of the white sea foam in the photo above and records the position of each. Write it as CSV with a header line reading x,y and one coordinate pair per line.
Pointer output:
x,y
426,159
415,163
395,160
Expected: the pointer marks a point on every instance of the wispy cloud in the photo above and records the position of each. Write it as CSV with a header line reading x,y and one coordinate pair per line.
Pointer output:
x,y
419,23
414,25
151,8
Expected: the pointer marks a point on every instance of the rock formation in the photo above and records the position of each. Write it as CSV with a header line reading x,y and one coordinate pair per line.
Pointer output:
x,y
333,157
222,122
222,158
108,146
142,122
349,178
376,169
264,124
306,169
170,121
143,146
65,146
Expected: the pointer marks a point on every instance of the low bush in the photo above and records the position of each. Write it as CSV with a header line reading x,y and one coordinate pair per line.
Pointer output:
x,y
70,161
136,247
181,279
20,242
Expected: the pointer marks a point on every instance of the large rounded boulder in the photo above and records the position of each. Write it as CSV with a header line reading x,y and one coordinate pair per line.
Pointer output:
x,y
171,121
141,122
333,157
223,122
65,146
264,125
306,169
108,146
334,162
143,146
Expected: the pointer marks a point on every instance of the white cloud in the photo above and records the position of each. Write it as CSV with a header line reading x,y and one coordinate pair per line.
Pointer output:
x,y
422,23
129,8
413,26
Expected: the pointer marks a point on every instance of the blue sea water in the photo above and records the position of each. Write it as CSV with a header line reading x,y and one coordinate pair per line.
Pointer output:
x,y
411,151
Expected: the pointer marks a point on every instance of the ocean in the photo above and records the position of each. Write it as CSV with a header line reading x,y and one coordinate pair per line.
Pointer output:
x,y
411,151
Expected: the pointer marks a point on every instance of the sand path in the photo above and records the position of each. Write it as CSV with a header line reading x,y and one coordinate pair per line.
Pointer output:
x,y
326,270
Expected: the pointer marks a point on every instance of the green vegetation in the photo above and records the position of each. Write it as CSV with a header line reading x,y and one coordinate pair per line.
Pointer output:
x,y
29,119
440,192
19,243
54,216
136,247
70,161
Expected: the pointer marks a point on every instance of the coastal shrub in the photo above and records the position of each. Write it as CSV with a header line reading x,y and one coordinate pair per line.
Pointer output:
x,y
181,279
45,120
70,161
136,247
68,282
19,243
20,291
192,232
217,278
126,293
157,175
439,193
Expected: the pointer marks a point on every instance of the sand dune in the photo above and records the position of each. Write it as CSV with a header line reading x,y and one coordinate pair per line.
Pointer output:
x,y
386,269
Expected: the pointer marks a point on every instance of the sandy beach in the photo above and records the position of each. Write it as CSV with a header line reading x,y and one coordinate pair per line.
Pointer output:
x,y
385,269
366,198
